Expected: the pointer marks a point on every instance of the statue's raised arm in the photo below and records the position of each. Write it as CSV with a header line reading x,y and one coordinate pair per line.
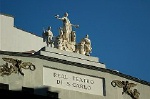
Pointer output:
x,y
67,26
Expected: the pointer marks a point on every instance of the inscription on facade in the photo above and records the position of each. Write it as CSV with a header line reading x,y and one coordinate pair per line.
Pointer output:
x,y
72,81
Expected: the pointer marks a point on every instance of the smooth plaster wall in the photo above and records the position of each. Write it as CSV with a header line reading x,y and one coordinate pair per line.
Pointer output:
x,y
34,79
17,40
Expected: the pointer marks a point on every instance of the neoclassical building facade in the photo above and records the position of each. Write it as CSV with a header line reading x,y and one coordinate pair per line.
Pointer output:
x,y
59,68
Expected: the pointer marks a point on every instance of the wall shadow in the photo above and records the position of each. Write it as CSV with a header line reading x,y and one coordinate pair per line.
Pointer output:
x,y
36,93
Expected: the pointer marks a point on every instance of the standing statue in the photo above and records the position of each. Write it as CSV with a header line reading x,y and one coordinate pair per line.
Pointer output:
x,y
66,40
84,47
73,36
61,33
48,37
87,45
67,26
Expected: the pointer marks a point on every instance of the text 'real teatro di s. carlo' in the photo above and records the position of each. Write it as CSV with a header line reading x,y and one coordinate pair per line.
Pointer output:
x,y
58,67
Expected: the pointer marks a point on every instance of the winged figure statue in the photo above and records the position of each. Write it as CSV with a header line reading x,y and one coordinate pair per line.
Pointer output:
x,y
123,84
16,66
126,88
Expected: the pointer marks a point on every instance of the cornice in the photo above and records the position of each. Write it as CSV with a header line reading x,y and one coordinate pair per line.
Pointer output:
x,y
36,55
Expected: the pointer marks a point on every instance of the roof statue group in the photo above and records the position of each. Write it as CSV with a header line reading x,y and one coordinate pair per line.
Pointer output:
x,y
66,40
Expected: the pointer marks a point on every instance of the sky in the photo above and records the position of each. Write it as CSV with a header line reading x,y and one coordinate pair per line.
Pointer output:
x,y
119,30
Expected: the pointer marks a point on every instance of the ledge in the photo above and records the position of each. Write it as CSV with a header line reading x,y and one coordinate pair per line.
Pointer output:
x,y
76,64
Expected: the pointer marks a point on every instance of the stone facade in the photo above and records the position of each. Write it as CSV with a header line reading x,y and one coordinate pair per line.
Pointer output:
x,y
70,74
16,40
72,80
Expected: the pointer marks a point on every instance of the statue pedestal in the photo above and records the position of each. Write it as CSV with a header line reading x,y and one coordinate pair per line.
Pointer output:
x,y
71,56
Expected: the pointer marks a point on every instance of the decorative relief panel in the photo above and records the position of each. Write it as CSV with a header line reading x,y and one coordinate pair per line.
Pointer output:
x,y
15,66
127,88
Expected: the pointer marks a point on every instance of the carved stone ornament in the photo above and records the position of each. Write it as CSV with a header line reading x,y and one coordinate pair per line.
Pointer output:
x,y
66,40
15,66
126,88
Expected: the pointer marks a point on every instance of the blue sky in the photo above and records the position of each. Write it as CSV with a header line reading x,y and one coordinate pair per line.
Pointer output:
x,y
119,29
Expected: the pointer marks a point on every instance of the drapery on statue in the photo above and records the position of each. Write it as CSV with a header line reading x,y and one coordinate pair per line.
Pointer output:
x,y
67,26
87,45
84,47
126,88
66,40
15,66
48,37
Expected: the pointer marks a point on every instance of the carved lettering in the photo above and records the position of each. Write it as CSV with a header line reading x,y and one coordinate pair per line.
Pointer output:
x,y
72,81
59,81
63,76
84,80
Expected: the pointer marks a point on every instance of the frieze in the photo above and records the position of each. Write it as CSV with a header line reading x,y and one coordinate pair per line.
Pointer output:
x,y
127,88
15,66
